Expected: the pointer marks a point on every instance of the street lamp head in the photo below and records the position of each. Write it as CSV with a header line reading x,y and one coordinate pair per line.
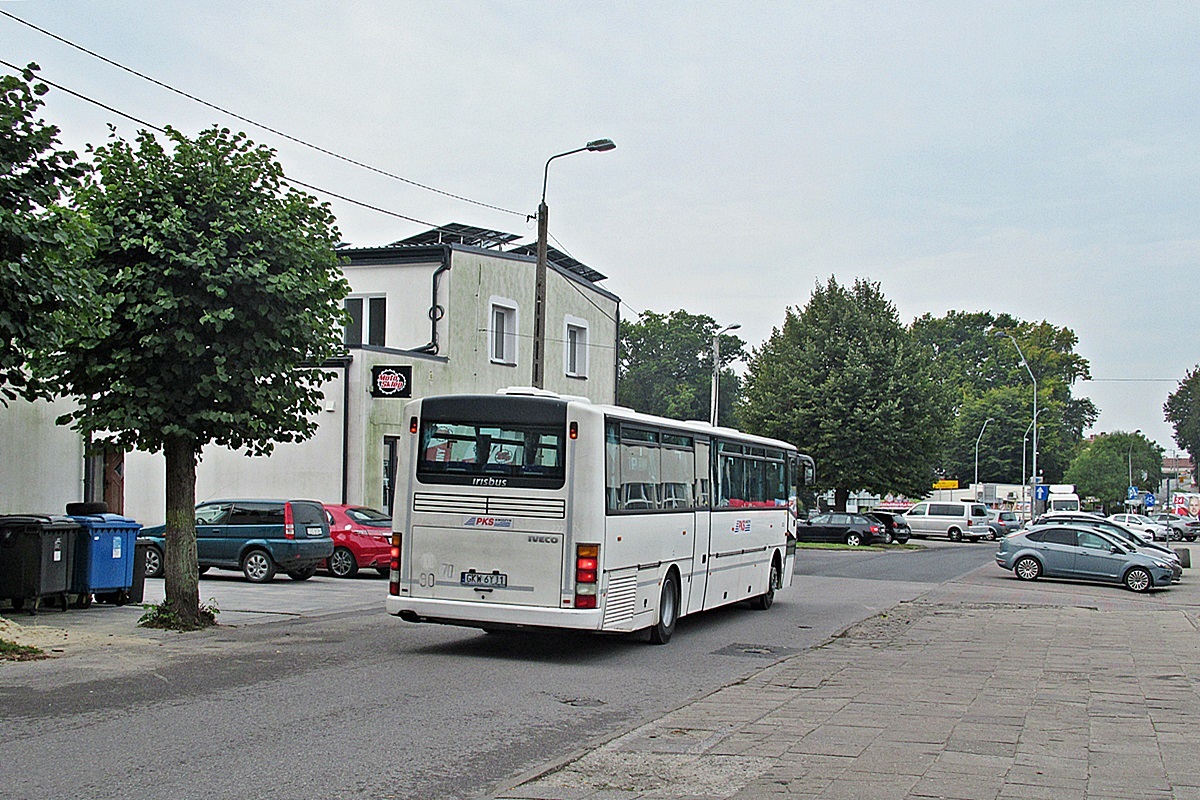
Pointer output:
x,y
601,145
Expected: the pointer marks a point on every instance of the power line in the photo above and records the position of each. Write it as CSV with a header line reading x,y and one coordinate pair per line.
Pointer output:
x,y
259,125
152,126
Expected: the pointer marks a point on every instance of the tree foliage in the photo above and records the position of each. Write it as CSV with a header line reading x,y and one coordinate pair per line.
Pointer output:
x,y
975,362
666,366
844,381
1104,467
1182,410
221,285
45,291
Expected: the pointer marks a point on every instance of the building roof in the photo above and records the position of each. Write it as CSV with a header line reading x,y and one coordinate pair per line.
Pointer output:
x,y
488,239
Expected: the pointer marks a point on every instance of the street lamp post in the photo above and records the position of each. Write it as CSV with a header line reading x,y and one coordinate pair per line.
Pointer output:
x,y
977,440
715,404
539,302
1033,477
1024,441
1132,439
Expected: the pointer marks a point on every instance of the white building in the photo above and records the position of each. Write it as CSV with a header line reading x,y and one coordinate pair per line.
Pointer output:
x,y
448,311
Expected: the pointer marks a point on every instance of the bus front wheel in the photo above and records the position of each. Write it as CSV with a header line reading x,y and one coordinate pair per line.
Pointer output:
x,y
668,611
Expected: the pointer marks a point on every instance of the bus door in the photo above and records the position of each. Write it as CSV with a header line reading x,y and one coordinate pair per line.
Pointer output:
x,y
700,545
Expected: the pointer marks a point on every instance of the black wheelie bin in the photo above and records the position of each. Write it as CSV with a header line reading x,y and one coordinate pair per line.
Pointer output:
x,y
37,556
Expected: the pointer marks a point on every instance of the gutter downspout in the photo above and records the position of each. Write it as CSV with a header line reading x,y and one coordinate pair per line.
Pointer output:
x,y
346,432
617,358
436,312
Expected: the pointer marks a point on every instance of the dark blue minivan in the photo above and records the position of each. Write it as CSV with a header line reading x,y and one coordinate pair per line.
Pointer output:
x,y
258,537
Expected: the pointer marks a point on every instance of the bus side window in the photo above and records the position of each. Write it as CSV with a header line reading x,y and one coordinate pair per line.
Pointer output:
x,y
612,467
640,468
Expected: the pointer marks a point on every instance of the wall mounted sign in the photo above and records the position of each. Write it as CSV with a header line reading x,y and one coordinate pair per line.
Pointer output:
x,y
391,381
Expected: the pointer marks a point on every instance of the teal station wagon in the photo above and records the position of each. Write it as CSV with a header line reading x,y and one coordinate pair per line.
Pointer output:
x,y
258,537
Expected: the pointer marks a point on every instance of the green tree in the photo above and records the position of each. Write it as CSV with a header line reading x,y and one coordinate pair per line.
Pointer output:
x,y
45,291
1182,410
1104,467
844,381
974,362
223,288
666,365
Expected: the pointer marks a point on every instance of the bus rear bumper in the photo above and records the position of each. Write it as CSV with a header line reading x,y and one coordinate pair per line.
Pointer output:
x,y
492,615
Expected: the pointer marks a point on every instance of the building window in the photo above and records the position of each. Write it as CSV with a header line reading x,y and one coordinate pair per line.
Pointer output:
x,y
575,348
503,331
367,315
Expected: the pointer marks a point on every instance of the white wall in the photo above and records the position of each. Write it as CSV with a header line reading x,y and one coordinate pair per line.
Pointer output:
x,y
41,464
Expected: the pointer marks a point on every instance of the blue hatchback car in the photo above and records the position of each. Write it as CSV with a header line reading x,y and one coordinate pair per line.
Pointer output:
x,y
1067,551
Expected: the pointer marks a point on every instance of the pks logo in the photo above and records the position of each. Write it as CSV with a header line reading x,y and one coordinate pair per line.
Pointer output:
x,y
741,526
487,522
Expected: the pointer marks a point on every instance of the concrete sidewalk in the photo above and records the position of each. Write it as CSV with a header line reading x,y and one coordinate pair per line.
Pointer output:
x,y
985,688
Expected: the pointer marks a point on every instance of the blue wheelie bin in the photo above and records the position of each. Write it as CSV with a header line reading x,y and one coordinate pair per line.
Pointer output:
x,y
37,555
104,559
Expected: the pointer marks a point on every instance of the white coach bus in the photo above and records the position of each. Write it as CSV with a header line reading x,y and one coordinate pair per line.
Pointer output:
x,y
530,509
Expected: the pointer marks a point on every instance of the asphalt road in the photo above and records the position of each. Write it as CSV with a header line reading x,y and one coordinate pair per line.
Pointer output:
x,y
357,704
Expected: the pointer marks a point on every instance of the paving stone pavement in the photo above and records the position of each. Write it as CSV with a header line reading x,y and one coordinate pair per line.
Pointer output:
x,y
939,698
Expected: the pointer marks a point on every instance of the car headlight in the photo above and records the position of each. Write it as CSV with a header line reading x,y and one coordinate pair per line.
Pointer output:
x,y
1162,564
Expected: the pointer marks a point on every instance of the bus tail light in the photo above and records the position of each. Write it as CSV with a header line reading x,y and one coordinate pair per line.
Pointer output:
x,y
587,571
394,567
289,523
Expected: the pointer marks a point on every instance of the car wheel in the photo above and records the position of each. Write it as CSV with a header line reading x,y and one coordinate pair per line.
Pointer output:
x,y
1190,537
302,574
888,538
1028,568
767,598
1138,580
991,537
955,535
257,566
668,611
154,562
342,563
854,538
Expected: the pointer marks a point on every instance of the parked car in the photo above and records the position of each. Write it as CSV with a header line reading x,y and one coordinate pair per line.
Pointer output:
x,y
1138,522
258,537
957,520
851,529
895,529
362,538
1082,553
1002,523
1181,527
1118,531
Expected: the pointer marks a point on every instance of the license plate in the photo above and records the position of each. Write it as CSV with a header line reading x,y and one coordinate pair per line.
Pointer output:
x,y
315,530
487,579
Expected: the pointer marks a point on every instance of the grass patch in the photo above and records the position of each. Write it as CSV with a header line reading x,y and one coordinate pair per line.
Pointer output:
x,y
869,548
163,615
11,651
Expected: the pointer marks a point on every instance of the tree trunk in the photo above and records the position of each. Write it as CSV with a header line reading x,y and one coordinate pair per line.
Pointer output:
x,y
180,572
840,496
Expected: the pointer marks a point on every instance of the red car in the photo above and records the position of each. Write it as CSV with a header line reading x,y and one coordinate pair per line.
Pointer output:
x,y
362,537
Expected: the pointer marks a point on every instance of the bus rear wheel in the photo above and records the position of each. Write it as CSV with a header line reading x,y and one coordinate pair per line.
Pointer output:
x,y
767,598
668,611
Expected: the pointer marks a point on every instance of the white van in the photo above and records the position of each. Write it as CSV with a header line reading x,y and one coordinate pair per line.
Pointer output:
x,y
956,519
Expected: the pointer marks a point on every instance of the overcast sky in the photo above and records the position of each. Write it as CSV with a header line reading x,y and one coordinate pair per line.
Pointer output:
x,y
1040,159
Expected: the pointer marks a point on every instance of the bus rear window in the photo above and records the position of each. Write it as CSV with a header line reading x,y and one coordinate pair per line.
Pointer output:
x,y
490,454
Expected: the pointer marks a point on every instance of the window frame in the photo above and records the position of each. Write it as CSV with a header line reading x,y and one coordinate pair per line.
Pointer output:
x,y
370,323
579,350
503,340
